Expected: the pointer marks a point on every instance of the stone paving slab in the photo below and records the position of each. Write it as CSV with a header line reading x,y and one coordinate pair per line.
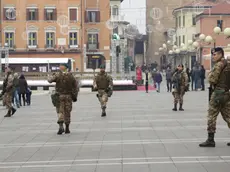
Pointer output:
x,y
140,133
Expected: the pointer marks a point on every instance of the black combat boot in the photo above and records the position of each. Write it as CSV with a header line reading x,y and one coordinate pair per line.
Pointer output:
x,y
175,107
61,129
8,114
13,111
103,114
67,131
209,142
180,108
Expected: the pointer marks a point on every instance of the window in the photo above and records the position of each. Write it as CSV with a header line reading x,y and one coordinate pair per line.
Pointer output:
x,y
94,61
183,39
25,68
42,69
220,24
115,11
32,39
193,37
73,38
179,40
193,20
32,14
176,40
92,38
50,14
9,39
93,41
73,14
183,21
10,13
93,16
115,30
50,39
179,22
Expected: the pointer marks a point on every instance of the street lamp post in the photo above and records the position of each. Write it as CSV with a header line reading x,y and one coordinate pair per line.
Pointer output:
x,y
4,50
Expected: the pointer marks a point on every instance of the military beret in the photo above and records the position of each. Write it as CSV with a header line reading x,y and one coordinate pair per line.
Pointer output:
x,y
218,49
181,65
102,66
64,64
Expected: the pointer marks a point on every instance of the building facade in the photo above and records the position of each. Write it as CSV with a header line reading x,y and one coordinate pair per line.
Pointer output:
x,y
217,16
161,24
74,30
186,31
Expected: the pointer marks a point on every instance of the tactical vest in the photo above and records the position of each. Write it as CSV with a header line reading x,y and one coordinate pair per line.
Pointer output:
x,y
102,81
224,78
64,84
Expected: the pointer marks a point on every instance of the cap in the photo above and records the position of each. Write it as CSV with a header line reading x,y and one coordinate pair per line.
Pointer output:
x,y
102,66
64,64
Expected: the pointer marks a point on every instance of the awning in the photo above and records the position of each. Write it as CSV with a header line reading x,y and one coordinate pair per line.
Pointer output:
x,y
36,60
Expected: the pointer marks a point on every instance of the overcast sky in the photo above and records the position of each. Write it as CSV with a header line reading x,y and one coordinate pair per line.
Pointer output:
x,y
134,12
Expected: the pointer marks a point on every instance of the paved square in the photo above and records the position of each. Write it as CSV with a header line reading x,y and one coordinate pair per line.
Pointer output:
x,y
140,134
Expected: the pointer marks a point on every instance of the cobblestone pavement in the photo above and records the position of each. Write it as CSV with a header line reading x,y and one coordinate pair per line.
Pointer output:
x,y
140,133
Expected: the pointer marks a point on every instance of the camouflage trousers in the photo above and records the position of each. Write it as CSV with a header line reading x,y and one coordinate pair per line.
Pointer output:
x,y
214,110
103,98
64,109
178,97
7,100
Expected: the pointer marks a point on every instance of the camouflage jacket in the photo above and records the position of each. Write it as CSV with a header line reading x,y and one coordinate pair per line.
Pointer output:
x,y
180,81
103,81
9,83
65,83
213,76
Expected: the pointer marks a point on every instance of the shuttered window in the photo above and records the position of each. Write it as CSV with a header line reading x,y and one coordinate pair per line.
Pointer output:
x,y
73,14
92,16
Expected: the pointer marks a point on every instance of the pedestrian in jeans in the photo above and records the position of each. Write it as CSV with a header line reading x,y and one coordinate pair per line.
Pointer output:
x,y
158,80
28,96
168,79
15,99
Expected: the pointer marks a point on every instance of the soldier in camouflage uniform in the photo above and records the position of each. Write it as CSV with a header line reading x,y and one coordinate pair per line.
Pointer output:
x,y
219,79
179,80
104,84
8,92
66,93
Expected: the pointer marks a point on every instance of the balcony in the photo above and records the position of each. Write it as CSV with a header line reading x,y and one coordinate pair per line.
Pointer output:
x,y
117,18
28,49
32,47
92,46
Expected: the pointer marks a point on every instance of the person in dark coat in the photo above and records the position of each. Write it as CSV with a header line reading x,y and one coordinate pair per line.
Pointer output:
x,y
23,86
146,81
189,77
202,77
158,80
169,79
196,75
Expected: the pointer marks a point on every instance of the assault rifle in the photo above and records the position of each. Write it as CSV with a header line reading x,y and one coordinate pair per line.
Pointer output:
x,y
210,91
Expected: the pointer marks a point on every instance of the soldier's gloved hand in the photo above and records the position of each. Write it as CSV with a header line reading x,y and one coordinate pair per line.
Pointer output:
x,y
74,99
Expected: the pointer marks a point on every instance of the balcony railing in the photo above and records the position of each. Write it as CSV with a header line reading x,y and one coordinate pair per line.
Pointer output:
x,y
117,18
92,45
